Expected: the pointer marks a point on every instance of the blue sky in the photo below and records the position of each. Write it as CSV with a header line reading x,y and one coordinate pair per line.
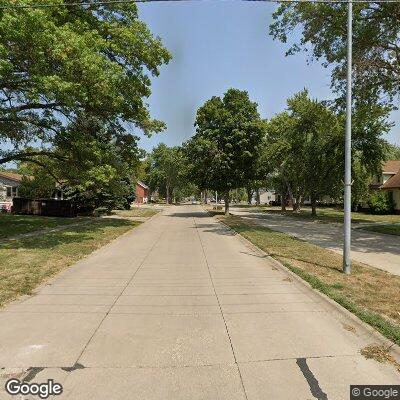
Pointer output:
x,y
219,45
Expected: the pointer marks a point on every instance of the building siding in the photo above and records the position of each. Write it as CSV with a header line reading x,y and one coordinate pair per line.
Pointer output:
x,y
141,194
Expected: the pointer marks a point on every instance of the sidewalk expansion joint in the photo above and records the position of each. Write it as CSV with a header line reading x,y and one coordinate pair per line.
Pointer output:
x,y
120,294
220,307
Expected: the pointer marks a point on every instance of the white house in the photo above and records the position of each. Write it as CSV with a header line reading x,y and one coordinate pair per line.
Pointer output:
x,y
266,195
9,184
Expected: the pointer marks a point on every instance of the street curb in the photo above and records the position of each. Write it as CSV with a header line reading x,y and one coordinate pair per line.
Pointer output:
x,y
371,332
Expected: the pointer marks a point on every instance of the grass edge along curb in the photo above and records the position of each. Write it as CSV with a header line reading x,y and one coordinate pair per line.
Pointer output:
x,y
387,329
388,343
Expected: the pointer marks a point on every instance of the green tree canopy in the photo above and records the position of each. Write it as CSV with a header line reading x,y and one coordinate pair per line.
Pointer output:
x,y
224,151
166,170
305,147
57,63
36,182
376,43
392,151
95,164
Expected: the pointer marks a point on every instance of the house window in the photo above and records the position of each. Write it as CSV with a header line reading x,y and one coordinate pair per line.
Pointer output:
x,y
12,191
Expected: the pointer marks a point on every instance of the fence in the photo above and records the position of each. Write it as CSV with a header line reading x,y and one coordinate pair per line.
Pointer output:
x,y
44,207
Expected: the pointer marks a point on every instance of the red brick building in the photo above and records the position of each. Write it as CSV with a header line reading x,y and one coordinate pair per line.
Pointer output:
x,y
142,193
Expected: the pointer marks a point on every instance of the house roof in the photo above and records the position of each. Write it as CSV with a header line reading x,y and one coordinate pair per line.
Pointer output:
x,y
393,182
143,185
391,167
11,176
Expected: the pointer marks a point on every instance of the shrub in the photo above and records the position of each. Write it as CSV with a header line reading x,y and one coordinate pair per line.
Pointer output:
x,y
381,202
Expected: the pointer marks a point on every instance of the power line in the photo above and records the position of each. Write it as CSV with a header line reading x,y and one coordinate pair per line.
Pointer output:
x,y
116,2
90,4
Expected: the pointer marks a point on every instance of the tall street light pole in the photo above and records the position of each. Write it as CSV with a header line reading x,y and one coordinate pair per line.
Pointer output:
x,y
347,174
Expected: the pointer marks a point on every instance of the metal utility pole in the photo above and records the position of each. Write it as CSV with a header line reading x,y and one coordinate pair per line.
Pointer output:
x,y
347,146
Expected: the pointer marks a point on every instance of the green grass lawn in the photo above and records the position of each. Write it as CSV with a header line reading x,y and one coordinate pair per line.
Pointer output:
x,y
136,212
333,215
27,262
371,294
387,229
12,225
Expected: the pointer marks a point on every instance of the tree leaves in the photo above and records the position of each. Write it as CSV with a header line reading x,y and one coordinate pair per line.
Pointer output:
x,y
376,43
224,151
59,62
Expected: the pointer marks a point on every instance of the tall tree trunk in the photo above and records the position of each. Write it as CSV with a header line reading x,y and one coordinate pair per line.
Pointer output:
x,y
249,195
313,205
297,204
300,200
226,199
291,197
258,196
288,189
283,202
167,199
293,202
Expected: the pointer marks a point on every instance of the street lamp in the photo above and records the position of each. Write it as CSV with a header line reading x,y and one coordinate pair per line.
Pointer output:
x,y
347,146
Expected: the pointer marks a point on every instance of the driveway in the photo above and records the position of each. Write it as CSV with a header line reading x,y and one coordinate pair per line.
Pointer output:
x,y
180,308
377,250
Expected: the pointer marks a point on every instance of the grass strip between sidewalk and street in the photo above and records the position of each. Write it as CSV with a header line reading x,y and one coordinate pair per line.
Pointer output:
x,y
136,212
369,293
27,262
324,214
393,229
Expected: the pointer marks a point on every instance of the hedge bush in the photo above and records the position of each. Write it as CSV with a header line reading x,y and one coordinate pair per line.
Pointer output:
x,y
381,202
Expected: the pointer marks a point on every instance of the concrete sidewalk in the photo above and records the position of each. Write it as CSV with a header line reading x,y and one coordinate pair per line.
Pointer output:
x,y
377,250
182,309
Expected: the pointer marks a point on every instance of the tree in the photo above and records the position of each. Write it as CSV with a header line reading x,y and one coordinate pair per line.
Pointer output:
x,y
223,152
95,166
186,190
305,142
40,185
57,63
100,163
259,174
376,70
276,153
392,151
166,170
376,43
306,148
362,178
368,149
